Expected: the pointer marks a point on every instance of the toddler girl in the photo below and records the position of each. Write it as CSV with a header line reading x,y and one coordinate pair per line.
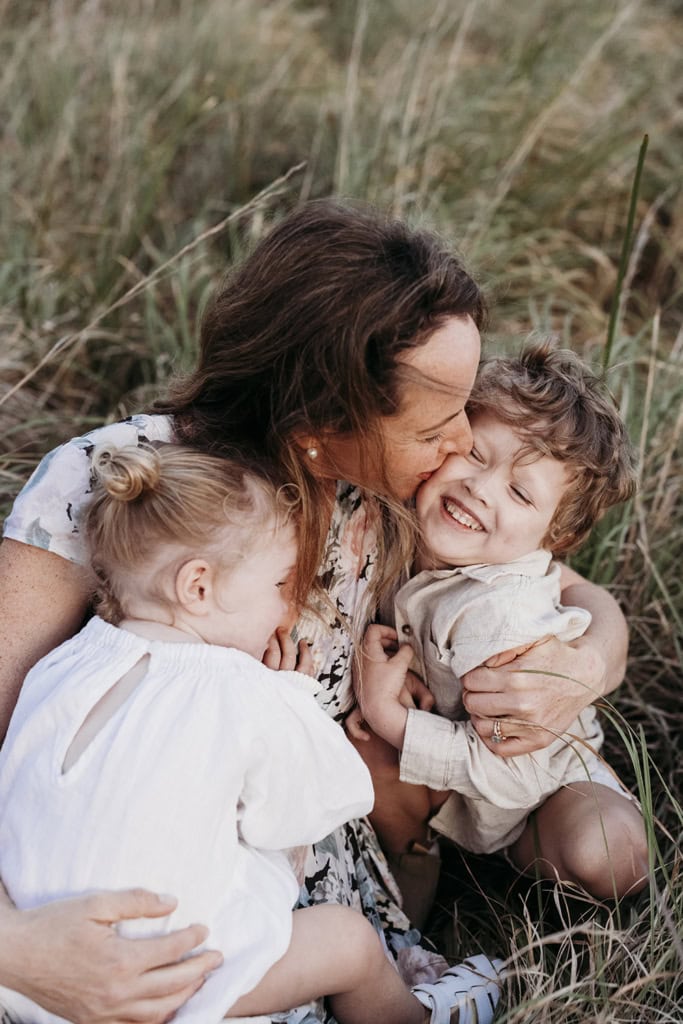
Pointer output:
x,y
156,749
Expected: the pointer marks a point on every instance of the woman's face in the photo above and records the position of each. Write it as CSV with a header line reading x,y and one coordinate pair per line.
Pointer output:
x,y
431,422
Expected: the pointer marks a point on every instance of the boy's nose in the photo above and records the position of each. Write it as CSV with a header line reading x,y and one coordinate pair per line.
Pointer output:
x,y
475,485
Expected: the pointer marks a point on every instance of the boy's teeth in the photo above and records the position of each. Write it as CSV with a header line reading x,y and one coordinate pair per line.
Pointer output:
x,y
455,512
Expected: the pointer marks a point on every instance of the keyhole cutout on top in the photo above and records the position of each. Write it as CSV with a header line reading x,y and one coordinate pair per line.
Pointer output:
x,y
101,712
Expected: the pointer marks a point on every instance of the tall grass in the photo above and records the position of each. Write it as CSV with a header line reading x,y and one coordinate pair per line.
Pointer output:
x,y
129,131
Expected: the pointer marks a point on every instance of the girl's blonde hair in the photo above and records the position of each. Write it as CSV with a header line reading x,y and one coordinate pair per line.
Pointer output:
x,y
168,495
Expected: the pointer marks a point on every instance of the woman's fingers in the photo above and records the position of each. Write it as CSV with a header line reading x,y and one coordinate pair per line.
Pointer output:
x,y
75,964
545,688
508,737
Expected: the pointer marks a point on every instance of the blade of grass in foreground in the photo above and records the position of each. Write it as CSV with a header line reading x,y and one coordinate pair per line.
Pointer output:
x,y
625,251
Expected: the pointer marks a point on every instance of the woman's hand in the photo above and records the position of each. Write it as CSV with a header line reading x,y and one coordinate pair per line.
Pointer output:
x,y
67,958
544,689
536,695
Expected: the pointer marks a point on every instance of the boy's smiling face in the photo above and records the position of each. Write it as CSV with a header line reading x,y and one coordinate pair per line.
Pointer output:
x,y
493,505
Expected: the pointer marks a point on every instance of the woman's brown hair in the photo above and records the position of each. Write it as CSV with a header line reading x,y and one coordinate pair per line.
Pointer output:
x,y
305,337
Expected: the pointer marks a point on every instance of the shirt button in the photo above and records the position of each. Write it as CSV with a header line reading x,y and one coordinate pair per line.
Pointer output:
x,y
406,630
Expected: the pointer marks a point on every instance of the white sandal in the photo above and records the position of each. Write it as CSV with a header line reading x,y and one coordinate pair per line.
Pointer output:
x,y
472,988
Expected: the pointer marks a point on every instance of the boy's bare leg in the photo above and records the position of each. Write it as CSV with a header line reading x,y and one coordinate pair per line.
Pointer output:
x,y
588,834
334,952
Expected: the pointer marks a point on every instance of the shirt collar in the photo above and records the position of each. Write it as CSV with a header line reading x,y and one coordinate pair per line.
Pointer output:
x,y
534,564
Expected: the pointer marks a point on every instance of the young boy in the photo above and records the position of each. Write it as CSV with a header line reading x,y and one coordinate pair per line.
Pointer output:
x,y
550,456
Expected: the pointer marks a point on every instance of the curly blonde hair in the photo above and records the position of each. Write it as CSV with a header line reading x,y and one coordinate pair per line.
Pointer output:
x,y
560,408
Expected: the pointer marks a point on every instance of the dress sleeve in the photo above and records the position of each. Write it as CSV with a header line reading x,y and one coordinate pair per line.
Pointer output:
x,y
303,779
48,511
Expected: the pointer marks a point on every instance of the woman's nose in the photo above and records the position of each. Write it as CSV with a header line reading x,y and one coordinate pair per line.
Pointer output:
x,y
459,439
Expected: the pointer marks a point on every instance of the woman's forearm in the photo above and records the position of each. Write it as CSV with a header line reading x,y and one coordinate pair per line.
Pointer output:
x,y
607,635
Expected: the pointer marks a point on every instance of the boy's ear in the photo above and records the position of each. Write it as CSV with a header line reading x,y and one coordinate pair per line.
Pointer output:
x,y
193,585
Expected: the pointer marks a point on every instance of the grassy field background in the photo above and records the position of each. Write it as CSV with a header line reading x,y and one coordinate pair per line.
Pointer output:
x,y
134,138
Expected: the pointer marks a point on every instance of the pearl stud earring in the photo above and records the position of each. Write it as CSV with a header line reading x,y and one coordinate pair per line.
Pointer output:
x,y
312,453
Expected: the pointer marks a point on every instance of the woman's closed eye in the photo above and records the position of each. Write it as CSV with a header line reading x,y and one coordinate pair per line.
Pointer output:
x,y
433,438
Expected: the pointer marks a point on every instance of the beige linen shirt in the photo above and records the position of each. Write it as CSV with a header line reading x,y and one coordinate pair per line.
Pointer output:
x,y
455,619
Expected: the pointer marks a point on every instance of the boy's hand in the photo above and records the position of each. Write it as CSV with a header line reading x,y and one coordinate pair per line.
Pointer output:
x,y
381,684
413,695
282,654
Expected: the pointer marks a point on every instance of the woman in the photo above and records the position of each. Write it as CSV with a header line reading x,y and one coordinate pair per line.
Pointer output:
x,y
344,349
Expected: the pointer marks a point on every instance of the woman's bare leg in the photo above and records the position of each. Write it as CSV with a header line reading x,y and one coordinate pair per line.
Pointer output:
x,y
588,834
335,952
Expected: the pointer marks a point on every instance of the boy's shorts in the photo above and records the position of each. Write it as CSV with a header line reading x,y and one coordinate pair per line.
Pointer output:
x,y
480,826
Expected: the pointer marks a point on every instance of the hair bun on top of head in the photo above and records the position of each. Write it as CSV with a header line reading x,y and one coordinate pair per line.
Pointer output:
x,y
125,473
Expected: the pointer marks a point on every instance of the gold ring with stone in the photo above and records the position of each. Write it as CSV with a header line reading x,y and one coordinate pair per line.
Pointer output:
x,y
497,736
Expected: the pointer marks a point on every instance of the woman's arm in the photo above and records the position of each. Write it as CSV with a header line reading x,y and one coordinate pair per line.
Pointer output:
x,y
607,634
43,599
549,685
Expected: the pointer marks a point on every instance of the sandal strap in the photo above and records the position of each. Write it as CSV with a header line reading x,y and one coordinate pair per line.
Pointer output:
x,y
472,987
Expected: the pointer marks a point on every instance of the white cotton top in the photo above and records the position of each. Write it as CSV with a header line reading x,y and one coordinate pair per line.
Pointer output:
x,y
212,767
455,619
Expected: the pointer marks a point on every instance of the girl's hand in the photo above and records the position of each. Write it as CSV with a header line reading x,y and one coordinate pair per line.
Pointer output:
x,y
536,696
67,958
381,683
283,654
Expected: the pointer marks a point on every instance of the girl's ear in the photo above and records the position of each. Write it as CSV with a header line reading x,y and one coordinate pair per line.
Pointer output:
x,y
193,586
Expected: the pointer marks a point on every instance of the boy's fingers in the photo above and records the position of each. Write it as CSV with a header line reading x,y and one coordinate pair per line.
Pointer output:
x,y
425,700
355,726
404,655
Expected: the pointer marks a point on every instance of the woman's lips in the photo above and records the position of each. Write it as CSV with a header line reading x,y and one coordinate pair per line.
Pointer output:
x,y
456,511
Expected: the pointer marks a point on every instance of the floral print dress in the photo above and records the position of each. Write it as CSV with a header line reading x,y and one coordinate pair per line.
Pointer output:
x,y
348,866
